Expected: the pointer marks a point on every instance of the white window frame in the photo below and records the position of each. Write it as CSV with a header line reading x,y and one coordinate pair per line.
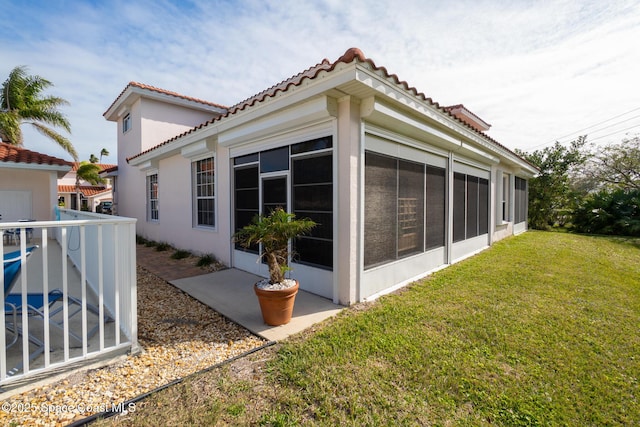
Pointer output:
x,y
506,197
196,197
126,123
152,203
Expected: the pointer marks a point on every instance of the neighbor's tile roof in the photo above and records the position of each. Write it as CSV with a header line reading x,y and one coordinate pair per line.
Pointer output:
x,y
110,168
103,166
86,190
14,154
164,92
311,73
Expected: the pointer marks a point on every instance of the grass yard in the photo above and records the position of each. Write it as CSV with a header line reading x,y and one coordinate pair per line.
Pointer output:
x,y
541,329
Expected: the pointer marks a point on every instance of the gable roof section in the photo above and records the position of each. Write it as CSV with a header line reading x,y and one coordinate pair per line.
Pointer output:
x,y
14,156
468,116
139,89
352,54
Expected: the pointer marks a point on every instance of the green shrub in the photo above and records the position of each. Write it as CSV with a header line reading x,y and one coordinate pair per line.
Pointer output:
x,y
206,260
609,212
163,246
180,254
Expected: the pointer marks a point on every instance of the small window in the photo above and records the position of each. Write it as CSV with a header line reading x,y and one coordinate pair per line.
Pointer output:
x,y
152,197
204,192
126,123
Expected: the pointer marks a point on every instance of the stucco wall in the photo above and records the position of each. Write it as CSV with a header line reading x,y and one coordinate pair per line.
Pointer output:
x,y
41,184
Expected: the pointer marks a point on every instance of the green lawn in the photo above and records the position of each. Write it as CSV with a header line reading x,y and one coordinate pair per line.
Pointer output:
x,y
541,329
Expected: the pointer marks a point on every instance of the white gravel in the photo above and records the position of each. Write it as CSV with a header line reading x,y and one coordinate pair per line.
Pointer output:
x,y
179,336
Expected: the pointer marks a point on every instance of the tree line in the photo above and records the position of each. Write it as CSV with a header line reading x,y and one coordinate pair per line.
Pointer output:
x,y
586,188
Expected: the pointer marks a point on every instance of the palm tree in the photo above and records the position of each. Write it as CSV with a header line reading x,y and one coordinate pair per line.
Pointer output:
x,y
103,152
93,159
89,172
22,101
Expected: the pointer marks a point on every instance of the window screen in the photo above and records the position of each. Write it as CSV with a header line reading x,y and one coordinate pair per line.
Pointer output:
x,y
436,198
472,206
380,195
459,206
313,199
520,201
274,160
247,199
483,206
410,208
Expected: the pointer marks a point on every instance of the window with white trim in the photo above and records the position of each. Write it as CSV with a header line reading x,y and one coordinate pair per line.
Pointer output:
x,y
152,197
204,193
520,200
505,197
126,123
470,206
404,210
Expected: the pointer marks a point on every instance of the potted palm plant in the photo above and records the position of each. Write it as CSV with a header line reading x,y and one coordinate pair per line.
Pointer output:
x,y
276,295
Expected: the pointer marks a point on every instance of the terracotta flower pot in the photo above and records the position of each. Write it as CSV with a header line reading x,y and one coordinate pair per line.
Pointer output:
x,y
276,305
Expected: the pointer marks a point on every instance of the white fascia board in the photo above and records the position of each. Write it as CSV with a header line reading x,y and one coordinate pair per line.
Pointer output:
x,y
251,115
307,90
36,166
206,135
122,104
314,110
475,152
198,149
389,90
371,108
132,93
148,165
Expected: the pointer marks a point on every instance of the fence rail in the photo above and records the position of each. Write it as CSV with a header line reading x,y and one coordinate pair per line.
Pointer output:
x,y
74,296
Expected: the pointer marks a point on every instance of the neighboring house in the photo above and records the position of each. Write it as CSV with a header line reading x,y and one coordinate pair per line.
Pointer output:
x,y
111,174
28,183
90,195
399,185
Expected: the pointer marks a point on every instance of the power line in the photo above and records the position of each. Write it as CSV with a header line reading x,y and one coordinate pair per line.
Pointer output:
x,y
614,124
612,133
589,127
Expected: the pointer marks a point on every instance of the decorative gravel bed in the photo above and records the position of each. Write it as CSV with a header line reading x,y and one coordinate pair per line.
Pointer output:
x,y
178,335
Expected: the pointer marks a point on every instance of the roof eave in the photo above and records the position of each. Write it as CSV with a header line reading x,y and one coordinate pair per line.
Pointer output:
x,y
132,93
61,170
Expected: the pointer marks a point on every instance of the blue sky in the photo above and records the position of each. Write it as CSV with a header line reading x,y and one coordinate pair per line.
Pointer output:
x,y
537,71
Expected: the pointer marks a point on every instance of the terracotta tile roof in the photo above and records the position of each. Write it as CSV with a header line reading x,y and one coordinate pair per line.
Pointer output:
x,y
455,109
14,154
86,190
164,92
352,54
111,168
103,166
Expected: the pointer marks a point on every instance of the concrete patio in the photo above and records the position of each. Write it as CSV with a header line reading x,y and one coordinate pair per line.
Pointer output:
x,y
230,293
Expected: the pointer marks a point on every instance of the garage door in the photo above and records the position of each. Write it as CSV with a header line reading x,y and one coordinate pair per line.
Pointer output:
x,y
15,205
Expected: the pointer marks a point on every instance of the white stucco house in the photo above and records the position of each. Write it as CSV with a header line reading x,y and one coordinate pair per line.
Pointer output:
x,y
90,195
28,183
399,185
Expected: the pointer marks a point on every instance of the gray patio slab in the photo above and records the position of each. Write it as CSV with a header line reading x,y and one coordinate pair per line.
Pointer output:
x,y
230,293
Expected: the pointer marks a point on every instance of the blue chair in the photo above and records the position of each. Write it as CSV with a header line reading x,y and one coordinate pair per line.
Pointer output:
x,y
35,308
12,262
